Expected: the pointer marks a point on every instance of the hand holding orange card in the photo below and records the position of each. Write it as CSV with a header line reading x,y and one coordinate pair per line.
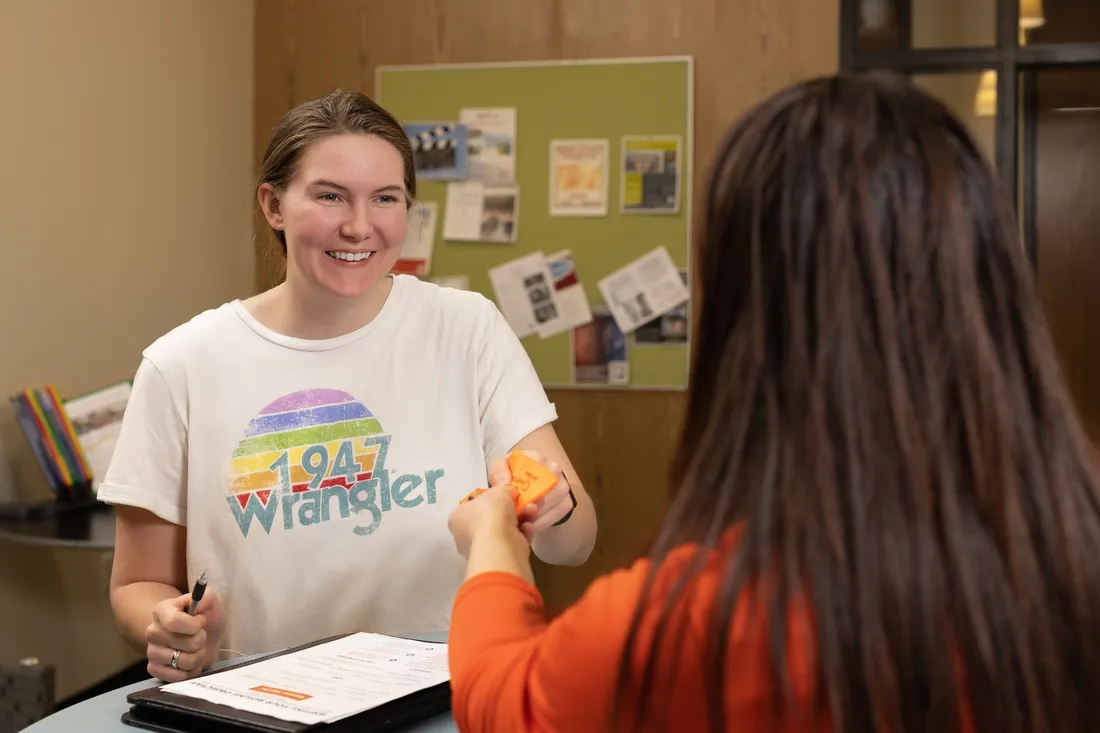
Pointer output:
x,y
530,479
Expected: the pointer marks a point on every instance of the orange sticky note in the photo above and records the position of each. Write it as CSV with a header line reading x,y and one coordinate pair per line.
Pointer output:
x,y
530,479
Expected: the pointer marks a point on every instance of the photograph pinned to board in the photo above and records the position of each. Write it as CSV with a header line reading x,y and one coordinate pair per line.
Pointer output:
x,y
568,291
416,252
649,182
458,282
500,214
480,213
579,172
491,144
648,287
440,150
669,329
525,295
598,351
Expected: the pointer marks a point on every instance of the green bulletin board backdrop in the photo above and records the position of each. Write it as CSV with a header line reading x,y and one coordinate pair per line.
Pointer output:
x,y
564,100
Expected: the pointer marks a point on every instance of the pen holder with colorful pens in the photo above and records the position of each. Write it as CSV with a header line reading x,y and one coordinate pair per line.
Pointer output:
x,y
530,479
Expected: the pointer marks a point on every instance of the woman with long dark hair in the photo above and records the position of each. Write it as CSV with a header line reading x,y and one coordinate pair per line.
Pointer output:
x,y
885,515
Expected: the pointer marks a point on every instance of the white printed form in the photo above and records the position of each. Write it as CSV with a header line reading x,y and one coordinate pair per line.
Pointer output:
x,y
648,287
327,682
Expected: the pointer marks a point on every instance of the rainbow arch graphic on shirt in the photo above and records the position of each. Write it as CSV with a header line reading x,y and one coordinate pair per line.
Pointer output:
x,y
292,427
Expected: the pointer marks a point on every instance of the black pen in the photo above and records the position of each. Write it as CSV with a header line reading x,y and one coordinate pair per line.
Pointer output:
x,y
196,594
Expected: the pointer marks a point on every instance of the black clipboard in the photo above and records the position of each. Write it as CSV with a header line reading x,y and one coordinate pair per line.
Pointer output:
x,y
166,712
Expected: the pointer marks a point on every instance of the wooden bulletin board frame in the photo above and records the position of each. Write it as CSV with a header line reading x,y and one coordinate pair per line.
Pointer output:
x,y
574,99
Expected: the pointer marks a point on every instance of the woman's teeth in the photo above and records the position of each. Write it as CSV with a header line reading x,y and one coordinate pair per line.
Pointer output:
x,y
349,256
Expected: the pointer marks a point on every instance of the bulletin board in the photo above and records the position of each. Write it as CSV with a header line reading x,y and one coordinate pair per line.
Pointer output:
x,y
584,100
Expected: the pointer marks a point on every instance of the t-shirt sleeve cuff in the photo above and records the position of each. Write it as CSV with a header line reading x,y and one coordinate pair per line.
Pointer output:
x,y
520,429
126,496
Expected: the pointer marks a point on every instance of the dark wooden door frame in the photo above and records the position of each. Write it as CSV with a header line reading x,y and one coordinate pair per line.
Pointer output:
x,y
1007,58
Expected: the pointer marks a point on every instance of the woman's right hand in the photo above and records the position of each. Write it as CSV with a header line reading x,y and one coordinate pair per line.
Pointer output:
x,y
196,637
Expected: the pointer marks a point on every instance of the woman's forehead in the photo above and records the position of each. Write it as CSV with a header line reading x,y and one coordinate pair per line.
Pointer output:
x,y
353,160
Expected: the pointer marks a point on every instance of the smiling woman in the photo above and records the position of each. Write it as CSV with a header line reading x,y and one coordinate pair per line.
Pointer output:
x,y
343,220
306,446
338,179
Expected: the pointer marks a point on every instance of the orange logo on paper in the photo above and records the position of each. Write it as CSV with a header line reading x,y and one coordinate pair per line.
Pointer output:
x,y
594,179
577,177
290,694
570,177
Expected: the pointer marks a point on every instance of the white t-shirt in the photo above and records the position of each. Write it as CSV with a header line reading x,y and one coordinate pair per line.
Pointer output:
x,y
251,439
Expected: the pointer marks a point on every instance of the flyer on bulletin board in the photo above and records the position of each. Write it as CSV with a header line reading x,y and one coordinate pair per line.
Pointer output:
x,y
578,177
668,329
416,252
568,290
440,150
491,141
479,213
599,351
524,290
649,182
648,287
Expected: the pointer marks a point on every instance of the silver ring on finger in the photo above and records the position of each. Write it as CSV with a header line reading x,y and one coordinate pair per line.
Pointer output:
x,y
176,659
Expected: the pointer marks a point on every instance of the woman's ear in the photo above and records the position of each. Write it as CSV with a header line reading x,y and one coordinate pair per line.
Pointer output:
x,y
272,207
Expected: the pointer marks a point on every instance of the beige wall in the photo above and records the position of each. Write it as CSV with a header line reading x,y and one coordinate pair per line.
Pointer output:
x,y
126,141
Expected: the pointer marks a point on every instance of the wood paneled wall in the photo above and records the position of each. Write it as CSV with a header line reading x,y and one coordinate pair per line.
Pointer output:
x,y
621,443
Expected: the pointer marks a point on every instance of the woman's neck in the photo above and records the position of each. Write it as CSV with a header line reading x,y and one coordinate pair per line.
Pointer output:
x,y
298,313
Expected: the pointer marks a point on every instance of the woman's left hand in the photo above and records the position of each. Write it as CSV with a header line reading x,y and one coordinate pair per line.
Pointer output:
x,y
494,513
553,506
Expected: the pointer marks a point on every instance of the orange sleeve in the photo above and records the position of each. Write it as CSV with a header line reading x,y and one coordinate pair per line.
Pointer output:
x,y
511,671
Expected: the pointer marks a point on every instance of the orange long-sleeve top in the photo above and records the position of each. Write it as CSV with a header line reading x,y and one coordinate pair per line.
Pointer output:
x,y
513,671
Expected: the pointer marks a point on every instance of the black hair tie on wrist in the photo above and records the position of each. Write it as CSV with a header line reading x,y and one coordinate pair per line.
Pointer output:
x,y
573,498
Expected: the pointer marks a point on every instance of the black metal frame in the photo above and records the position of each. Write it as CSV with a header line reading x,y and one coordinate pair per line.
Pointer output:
x,y
1007,57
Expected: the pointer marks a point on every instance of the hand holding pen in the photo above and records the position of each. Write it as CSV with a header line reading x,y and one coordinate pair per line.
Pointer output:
x,y
196,594
184,633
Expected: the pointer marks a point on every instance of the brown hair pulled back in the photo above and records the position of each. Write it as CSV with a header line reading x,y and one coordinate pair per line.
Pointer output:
x,y
338,112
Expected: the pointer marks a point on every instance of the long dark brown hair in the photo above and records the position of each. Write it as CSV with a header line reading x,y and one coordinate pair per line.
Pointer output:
x,y
876,404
